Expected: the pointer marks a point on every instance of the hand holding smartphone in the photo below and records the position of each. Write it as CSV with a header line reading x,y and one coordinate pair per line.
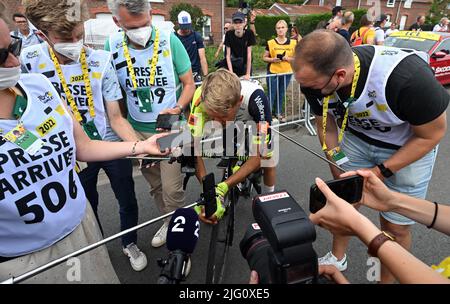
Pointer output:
x,y
166,121
349,189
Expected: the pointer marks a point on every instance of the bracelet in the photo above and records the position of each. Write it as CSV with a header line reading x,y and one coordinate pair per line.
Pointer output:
x,y
133,151
436,208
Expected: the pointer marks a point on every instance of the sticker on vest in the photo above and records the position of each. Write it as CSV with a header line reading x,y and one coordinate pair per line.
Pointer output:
x,y
91,130
24,139
46,126
145,100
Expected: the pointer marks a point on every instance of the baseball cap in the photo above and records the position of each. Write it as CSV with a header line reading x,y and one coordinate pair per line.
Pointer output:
x,y
238,16
382,17
184,20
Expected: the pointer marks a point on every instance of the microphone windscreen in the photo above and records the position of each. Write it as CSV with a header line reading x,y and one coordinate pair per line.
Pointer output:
x,y
183,231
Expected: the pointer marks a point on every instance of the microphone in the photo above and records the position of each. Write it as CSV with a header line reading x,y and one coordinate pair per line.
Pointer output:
x,y
182,237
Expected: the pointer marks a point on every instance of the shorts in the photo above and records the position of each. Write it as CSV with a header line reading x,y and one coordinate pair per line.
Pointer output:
x,y
412,180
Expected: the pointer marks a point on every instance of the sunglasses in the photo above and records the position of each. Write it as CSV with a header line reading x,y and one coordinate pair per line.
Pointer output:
x,y
14,48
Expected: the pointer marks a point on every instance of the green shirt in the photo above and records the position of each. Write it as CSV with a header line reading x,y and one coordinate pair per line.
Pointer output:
x,y
181,65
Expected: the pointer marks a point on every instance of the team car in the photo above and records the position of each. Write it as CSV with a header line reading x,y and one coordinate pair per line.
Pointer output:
x,y
435,44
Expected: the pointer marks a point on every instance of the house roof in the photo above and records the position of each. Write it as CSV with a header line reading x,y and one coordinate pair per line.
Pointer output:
x,y
229,11
295,10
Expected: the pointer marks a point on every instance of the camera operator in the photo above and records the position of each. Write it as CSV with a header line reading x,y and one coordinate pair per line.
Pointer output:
x,y
342,218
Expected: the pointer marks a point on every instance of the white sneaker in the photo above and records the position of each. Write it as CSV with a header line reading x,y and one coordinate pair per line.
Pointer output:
x,y
330,259
160,236
187,268
138,260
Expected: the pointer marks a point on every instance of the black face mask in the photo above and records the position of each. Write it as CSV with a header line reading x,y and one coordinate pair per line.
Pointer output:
x,y
317,93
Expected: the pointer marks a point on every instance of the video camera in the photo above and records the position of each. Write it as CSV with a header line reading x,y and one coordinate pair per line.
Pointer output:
x,y
244,7
279,246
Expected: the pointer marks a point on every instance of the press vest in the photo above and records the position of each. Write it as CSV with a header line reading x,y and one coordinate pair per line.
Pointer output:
x,y
164,89
278,49
37,60
370,114
41,197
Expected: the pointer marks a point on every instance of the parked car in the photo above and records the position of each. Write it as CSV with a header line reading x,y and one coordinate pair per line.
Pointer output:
x,y
435,44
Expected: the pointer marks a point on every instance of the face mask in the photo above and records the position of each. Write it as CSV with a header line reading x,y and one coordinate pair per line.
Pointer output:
x,y
70,50
141,35
317,93
9,77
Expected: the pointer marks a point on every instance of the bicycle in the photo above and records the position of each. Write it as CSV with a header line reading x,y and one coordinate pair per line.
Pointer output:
x,y
222,233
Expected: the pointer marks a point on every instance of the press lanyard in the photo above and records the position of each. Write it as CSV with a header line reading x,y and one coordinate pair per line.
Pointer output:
x,y
327,100
87,83
126,52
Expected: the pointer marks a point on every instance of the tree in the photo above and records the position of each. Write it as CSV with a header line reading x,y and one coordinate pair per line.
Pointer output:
x,y
438,10
198,19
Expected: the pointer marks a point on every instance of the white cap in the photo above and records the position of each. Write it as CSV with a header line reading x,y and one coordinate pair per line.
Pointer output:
x,y
184,20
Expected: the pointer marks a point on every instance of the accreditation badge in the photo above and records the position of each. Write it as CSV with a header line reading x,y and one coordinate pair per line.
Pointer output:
x,y
24,139
91,130
145,100
338,156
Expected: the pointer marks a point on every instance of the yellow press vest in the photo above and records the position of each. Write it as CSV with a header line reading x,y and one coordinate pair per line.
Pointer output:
x,y
280,49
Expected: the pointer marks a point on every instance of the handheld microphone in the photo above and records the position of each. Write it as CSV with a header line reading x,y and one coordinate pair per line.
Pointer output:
x,y
182,237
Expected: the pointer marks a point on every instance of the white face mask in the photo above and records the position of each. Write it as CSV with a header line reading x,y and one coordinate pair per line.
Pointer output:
x,y
70,50
141,35
9,77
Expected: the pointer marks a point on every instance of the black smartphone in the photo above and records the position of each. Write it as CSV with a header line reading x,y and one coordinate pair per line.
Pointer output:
x,y
209,194
349,189
166,121
170,141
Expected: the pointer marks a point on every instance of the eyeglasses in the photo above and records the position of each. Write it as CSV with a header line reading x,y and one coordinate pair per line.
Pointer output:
x,y
225,29
14,48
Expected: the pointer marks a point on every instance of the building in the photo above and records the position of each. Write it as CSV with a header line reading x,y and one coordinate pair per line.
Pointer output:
x,y
212,9
402,12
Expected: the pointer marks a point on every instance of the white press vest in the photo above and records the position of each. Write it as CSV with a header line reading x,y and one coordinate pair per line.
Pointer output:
x,y
36,59
370,114
41,197
164,90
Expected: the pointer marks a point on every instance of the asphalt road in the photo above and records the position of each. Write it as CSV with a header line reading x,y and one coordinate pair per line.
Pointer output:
x,y
296,172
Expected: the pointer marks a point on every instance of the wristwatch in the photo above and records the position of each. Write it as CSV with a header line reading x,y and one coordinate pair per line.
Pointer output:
x,y
376,243
385,171
178,106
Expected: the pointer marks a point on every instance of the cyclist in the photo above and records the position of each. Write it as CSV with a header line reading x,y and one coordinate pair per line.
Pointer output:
x,y
225,99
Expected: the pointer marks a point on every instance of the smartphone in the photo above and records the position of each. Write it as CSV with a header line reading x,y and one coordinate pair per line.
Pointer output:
x,y
171,141
209,194
166,121
349,189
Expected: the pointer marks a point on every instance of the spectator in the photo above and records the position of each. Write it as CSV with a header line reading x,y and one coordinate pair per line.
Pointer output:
x,y
379,29
279,55
397,138
56,220
24,32
227,26
98,112
239,42
165,86
392,28
193,43
442,26
365,34
335,24
337,11
295,34
340,217
347,21
418,26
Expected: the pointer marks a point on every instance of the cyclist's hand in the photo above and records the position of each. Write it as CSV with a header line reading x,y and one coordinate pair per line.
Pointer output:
x,y
221,190
214,219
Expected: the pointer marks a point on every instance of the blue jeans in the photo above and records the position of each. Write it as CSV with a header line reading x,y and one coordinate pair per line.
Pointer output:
x,y
412,180
120,174
277,89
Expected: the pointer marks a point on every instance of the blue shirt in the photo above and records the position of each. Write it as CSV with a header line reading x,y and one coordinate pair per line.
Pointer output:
x,y
192,43
27,41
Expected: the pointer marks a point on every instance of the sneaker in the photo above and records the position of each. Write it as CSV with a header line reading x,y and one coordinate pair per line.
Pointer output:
x,y
160,236
330,259
138,260
187,268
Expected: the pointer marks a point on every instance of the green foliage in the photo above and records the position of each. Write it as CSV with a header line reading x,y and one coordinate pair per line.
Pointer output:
x,y
307,24
438,10
265,27
259,66
198,19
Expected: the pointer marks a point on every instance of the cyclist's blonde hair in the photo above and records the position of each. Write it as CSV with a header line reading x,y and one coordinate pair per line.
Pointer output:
x,y
221,91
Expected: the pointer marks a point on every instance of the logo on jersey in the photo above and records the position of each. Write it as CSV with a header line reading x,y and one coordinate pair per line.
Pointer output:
x,y
94,64
48,96
372,94
31,55
389,52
